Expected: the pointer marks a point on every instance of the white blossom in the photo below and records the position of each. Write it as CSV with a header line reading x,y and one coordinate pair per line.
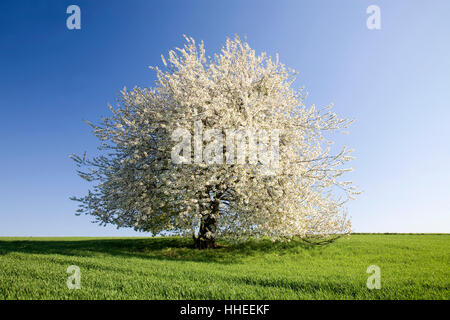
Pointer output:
x,y
137,184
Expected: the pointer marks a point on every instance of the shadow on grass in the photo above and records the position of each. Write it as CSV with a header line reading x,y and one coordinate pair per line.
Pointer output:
x,y
167,248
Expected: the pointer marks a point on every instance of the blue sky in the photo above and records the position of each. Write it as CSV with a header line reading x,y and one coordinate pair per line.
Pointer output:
x,y
395,83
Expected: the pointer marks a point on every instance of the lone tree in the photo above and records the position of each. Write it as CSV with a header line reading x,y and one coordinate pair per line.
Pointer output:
x,y
136,182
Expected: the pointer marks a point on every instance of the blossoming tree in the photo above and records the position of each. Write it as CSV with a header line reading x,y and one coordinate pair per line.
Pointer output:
x,y
136,182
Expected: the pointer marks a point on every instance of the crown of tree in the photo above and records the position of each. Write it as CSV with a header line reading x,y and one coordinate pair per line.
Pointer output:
x,y
136,184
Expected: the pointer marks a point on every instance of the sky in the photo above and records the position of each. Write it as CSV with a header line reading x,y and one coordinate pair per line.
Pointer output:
x,y
394,82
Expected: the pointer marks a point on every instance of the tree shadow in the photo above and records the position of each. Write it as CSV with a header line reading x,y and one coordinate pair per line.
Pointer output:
x,y
160,248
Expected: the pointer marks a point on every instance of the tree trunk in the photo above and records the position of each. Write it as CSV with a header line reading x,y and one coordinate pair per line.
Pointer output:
x,y
206,238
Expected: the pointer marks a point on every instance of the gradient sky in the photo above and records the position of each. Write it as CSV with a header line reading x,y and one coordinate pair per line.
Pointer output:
x,y
395,83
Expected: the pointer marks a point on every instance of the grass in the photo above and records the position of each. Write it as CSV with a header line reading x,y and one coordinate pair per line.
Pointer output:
x,y
412,267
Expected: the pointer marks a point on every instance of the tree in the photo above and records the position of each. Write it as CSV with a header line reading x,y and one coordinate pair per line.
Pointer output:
x,y
148,177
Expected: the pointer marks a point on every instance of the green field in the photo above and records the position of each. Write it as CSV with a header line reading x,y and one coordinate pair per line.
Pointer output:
x,y
412,267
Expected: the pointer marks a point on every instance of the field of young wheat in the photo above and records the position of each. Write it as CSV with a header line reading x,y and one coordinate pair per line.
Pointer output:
x,y
411,267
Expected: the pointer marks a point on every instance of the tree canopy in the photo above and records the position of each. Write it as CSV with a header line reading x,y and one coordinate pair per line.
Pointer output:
x,y
169,161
